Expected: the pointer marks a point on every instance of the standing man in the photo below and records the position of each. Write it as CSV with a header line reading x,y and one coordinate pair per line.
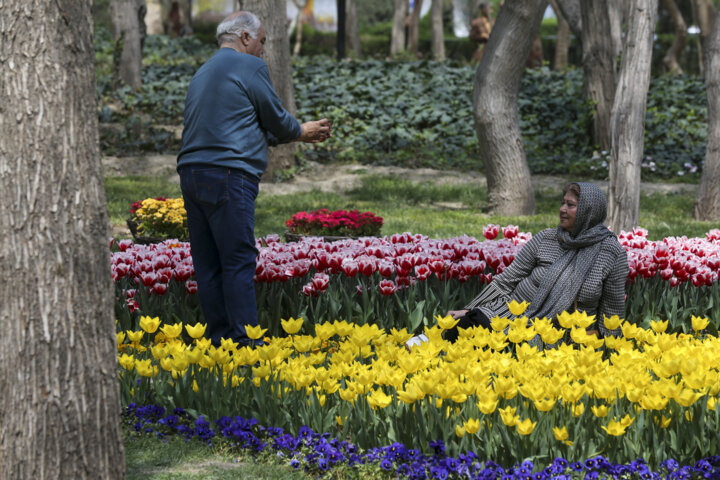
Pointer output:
x,y
232,114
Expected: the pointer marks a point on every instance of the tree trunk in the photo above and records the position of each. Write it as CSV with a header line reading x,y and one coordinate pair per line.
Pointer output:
x,y
707,201
437,34
352,32
341,24
617,13
277,56
671,57
628,117
126,32
60,401
599,66
414,30
571,13
495,106
562,43
397,36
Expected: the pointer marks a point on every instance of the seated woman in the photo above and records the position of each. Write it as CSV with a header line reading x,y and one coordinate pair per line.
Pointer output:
x,y
580,265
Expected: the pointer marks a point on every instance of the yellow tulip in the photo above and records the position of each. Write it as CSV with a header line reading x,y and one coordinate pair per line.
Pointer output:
x,y
255,332
172,331
578,409
292,325
135,337
487,405
196,331
699,323
145,368
195,386
525,427
472,425
126,361
611,323
561,434
378,399
508,416
459,431
615,428
150,325
498,324
600,411
446,323
658,326
516,308
120,336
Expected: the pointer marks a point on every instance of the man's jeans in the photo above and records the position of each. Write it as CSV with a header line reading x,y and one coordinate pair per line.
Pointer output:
x,y
220,205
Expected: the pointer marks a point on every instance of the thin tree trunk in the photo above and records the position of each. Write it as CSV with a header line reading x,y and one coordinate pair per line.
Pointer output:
x,y
397,36
126,32
617,13
707,201
352,32
341,25
495,106
277,56
599,66
437,33
60,401
571,13
414,30
562,42
628,117
670,60
298,28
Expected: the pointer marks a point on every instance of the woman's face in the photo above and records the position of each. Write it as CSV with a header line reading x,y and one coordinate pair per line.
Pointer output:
x,y
568,210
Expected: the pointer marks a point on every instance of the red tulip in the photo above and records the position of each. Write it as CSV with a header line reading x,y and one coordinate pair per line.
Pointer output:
x,y
387,287
320,281
159,289
191,287
350,267
510,231
422,272
490,232
367,265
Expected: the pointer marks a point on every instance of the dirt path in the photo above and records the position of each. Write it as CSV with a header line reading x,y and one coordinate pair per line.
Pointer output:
x,y
344,177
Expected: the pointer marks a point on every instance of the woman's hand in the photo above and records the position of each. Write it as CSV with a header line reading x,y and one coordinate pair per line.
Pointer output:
x,y
456,313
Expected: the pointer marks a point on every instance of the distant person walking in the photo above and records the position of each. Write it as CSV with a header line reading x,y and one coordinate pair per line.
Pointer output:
x,y
480,29
232,115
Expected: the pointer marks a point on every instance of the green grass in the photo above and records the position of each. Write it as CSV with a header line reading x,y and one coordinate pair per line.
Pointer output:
x,y
121,192
427,208
147,458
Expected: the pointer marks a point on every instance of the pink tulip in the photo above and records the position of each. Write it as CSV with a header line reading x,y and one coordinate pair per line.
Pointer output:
x,y
387,287
510,231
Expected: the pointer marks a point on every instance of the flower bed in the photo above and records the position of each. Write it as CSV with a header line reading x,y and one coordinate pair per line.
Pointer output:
x,y
338,223
158,218
317,454
648,395
404,280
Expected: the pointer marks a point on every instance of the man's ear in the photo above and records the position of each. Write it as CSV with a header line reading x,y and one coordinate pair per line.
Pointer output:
x,y
245,38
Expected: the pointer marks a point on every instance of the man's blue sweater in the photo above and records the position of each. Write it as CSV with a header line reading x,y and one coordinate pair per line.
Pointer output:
x,y
232,114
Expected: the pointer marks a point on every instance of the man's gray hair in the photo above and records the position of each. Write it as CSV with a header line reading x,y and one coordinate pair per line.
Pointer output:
x,y
234,26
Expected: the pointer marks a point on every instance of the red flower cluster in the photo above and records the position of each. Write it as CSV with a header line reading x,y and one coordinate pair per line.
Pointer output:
x,y
342,223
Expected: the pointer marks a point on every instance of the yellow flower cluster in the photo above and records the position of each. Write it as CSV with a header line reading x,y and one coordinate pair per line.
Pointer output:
x,y
162,218
487,377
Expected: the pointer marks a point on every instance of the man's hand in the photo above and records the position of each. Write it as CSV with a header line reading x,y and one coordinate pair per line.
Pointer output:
x,y
314,132
456,313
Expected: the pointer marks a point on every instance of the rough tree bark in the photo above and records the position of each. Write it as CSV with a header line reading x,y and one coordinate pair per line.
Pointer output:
x,y
60,401
571,13
436,32
707,201
126,32
670,60
562,43
397,35
277,56
495,106
299,27
628,116
599,66
414,27
352,32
